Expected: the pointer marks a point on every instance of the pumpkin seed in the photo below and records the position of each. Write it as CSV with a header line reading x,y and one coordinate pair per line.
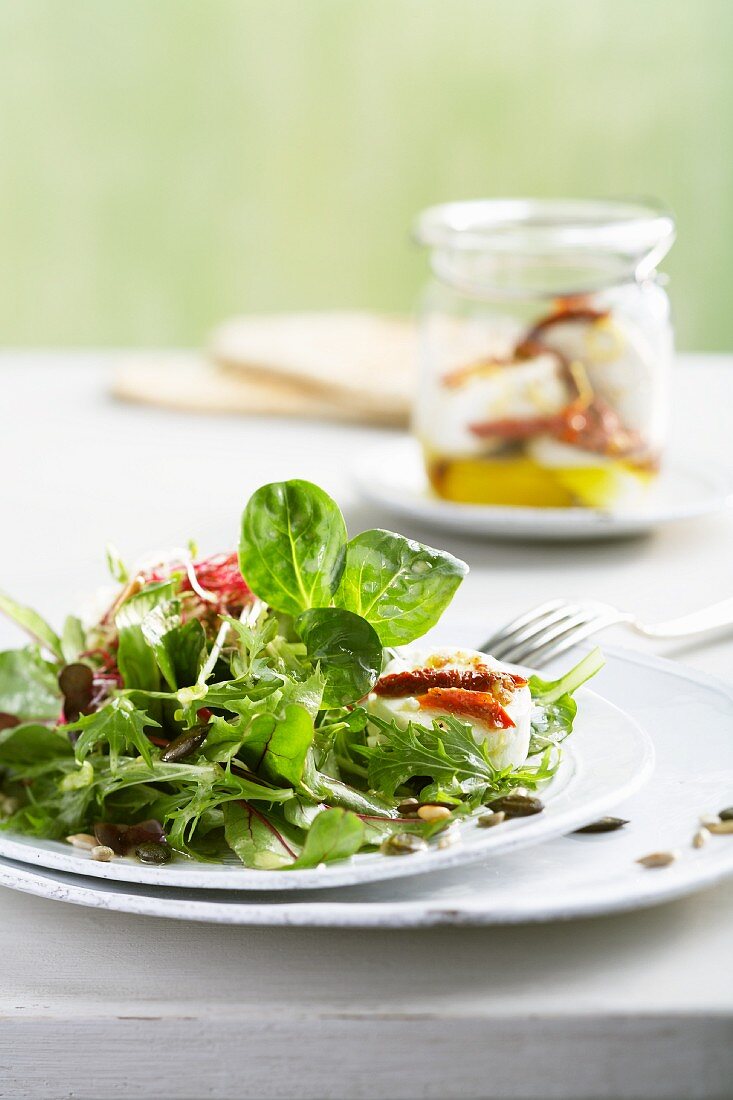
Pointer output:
x,y
184,745
153,852
658,859
430,812
494,817
517,805
726,814
722,828
701,837
603,825
402,844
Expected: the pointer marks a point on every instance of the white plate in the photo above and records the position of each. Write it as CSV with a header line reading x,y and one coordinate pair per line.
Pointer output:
x,y
690,717
607,757
392,475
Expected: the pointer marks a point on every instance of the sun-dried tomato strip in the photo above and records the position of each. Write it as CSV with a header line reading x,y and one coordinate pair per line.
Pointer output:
x,y
398,684
562,316
467,704
520,428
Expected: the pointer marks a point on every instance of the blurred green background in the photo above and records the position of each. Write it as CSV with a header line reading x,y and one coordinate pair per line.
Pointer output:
x,y
164,163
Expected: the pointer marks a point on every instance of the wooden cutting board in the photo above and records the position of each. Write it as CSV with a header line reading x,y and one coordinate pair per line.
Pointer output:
x,y
352,367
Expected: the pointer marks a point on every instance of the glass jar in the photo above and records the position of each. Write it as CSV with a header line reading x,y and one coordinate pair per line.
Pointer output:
x,y
545,346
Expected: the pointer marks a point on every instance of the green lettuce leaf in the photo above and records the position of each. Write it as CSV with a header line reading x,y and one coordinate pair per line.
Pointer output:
x,y
28,685
33,624
277,747
119,725
135,656
334,834
256,838
31,744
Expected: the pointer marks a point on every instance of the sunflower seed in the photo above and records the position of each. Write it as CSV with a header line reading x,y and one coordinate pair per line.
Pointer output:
x,y
82,840
603,825
449,837
722,828
701,837
658,859
727,814
101,853
402,844
494,817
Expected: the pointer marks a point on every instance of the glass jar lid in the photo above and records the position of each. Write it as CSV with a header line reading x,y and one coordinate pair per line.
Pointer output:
x,y
519,246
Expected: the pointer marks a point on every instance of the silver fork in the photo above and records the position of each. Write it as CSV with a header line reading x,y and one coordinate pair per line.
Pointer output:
x,y
558,625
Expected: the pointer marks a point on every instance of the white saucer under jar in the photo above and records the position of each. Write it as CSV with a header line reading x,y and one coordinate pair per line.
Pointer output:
x,y
545,345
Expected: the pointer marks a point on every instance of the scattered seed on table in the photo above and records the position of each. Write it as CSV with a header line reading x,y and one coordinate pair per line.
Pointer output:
x,y
722,828
603,825
701,837
82,840
493,817
658,859
101,853
430,812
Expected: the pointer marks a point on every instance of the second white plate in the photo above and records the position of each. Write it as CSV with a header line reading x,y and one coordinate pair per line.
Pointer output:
x,y
570,876
607,758
392,476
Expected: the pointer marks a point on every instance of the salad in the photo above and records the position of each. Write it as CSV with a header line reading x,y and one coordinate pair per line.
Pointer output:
x,y
259,705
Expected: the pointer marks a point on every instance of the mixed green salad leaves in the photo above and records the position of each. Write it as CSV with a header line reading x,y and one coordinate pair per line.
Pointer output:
x,y
218,705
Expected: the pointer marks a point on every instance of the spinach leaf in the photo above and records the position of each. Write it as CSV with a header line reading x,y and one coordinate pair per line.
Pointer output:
x,y
28,686
31,744
277,747
291,549
347,649
32,623
334,834
401,587
119,725
255,838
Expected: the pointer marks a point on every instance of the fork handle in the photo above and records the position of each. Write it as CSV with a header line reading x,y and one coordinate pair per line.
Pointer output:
x,y
717,614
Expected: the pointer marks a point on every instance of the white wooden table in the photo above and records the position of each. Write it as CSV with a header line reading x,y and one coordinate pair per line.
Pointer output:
x,y
95,1004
